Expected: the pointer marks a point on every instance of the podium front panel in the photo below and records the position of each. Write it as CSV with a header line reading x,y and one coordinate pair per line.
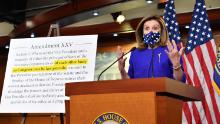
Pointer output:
x,y
136,108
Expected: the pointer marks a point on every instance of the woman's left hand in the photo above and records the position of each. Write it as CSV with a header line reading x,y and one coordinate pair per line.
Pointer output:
x,y
173,53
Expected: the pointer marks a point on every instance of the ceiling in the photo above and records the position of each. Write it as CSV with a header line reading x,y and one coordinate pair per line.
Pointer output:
x,y
17,11
8,8
141,9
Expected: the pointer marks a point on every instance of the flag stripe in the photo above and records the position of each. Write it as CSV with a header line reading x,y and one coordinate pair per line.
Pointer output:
x,y
202,114
214,46
211,52
196,113
197,84
196,116
190,75
186,108
208,82
184,120
198,65
207,59
191,110
187,113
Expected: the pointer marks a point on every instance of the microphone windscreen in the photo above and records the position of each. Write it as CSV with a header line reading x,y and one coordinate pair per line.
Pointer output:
x,y
132,49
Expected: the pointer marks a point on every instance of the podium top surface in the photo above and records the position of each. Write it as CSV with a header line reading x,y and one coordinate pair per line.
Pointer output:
x,y
162,86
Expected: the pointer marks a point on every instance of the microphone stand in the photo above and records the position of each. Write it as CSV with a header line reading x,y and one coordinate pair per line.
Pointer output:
x,y
132,49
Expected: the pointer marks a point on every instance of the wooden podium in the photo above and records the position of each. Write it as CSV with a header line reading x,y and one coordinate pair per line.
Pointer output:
x,y
139,101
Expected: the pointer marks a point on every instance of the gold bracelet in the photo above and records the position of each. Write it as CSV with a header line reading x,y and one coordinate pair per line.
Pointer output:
x,y
176,68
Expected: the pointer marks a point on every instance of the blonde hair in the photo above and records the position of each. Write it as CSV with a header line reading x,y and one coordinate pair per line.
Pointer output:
x,y
139,32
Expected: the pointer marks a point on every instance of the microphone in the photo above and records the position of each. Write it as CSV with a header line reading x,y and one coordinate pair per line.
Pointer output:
x,y
152,63
132,49
151,70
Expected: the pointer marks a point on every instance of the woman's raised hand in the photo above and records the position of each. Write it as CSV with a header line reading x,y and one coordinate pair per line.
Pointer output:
x,y
173,53
121,62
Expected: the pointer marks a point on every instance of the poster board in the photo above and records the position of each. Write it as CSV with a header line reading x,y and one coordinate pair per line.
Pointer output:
x,y
38,68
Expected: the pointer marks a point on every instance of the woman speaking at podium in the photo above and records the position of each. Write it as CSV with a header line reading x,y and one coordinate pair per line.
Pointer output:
x,y
155,55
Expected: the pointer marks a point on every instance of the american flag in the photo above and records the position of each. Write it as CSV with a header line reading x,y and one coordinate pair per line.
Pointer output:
x,y
199,61
171,23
